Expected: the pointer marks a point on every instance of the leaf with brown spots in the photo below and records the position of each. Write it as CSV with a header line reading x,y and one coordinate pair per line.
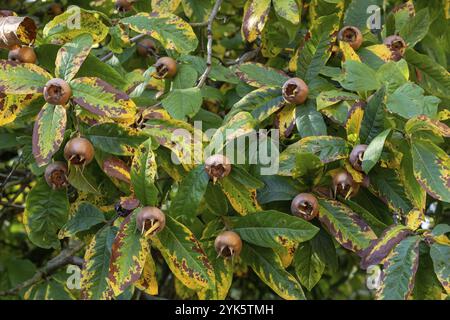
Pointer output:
x,y
22,78
71,56
256,13
116,168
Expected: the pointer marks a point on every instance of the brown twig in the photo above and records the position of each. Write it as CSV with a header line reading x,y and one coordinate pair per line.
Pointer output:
x,y
211,18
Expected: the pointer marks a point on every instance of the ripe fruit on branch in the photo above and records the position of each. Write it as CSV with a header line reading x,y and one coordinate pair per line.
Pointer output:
x,y
22,54
124,5
305,206
126,205
295,91
56,175
357,155
79,151
228,244
352,36
145,46
150,220
166,67
57,91
217,166
55,9
397,46
344,185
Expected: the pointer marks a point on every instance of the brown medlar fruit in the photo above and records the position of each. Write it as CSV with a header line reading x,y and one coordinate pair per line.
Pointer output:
x,y
79,151
228,244
166,67
217,166
124,5
344,185
56,175
55,9
397,46
145,46
147,218
352,36
357,155
305,206
57,91
295,91
22,54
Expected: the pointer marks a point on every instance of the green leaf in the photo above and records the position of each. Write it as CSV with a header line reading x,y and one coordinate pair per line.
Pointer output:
x,y
418,124
185,78
373,152
359,77
197,10
184,255
173,32
46,211
191,190
329,98
273,229
48,132
413,189
399,270
433,77
416,28
115,139
373,121
393,75
357,14
182,103
86,216
288,10
431,168
309,265
165,5
22,78
143,173
345,226
128,255
256,13
72,23
71,56
409,101
309,121
99,97
258,75
440,254
94,275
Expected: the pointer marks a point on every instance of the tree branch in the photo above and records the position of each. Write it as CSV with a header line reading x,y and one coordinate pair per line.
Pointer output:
x,y
211,18
62,259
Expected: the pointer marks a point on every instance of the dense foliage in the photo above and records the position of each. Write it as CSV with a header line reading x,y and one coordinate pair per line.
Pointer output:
x,y
105,192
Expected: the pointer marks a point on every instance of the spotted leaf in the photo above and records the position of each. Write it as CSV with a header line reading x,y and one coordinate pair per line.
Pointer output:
x,y
256,13
11,106
440,254
148,282
116,168
143,173
22,78
71,56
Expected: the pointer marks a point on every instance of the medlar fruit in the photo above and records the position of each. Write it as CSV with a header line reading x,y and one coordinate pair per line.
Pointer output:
x,y
357,155
228,244
124,5
166,67
150,220
352,36
305,206
55,9
217,166
79,151
22,54
145,46
397,46
344,185
126,205
56,175
57,91
295,91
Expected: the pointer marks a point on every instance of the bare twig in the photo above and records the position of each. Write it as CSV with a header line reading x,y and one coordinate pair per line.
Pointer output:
x,y
62,259
247,56
110,54
211,18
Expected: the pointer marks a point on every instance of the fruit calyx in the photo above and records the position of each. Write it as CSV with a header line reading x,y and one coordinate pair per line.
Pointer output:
x,y
150,220
295,91
357,155
228,244
344,185
56,175
305,206
79,151
397,46
352,36
57,91
217,166
166,67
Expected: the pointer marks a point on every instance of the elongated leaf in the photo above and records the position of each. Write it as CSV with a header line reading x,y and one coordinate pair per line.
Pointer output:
x,y
354,122
399,270
256,13
48,132
46,211
431,168
309,265
416,28
347,227
173,32
309,121
373,152
413,189
372,124
148,281
184,255
332,97
258,75
129,251
273,229
288,10
267,265
11,106
117,169
85,217
143,173
22,78
94,275
422,123
440,253
99,97
71,56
